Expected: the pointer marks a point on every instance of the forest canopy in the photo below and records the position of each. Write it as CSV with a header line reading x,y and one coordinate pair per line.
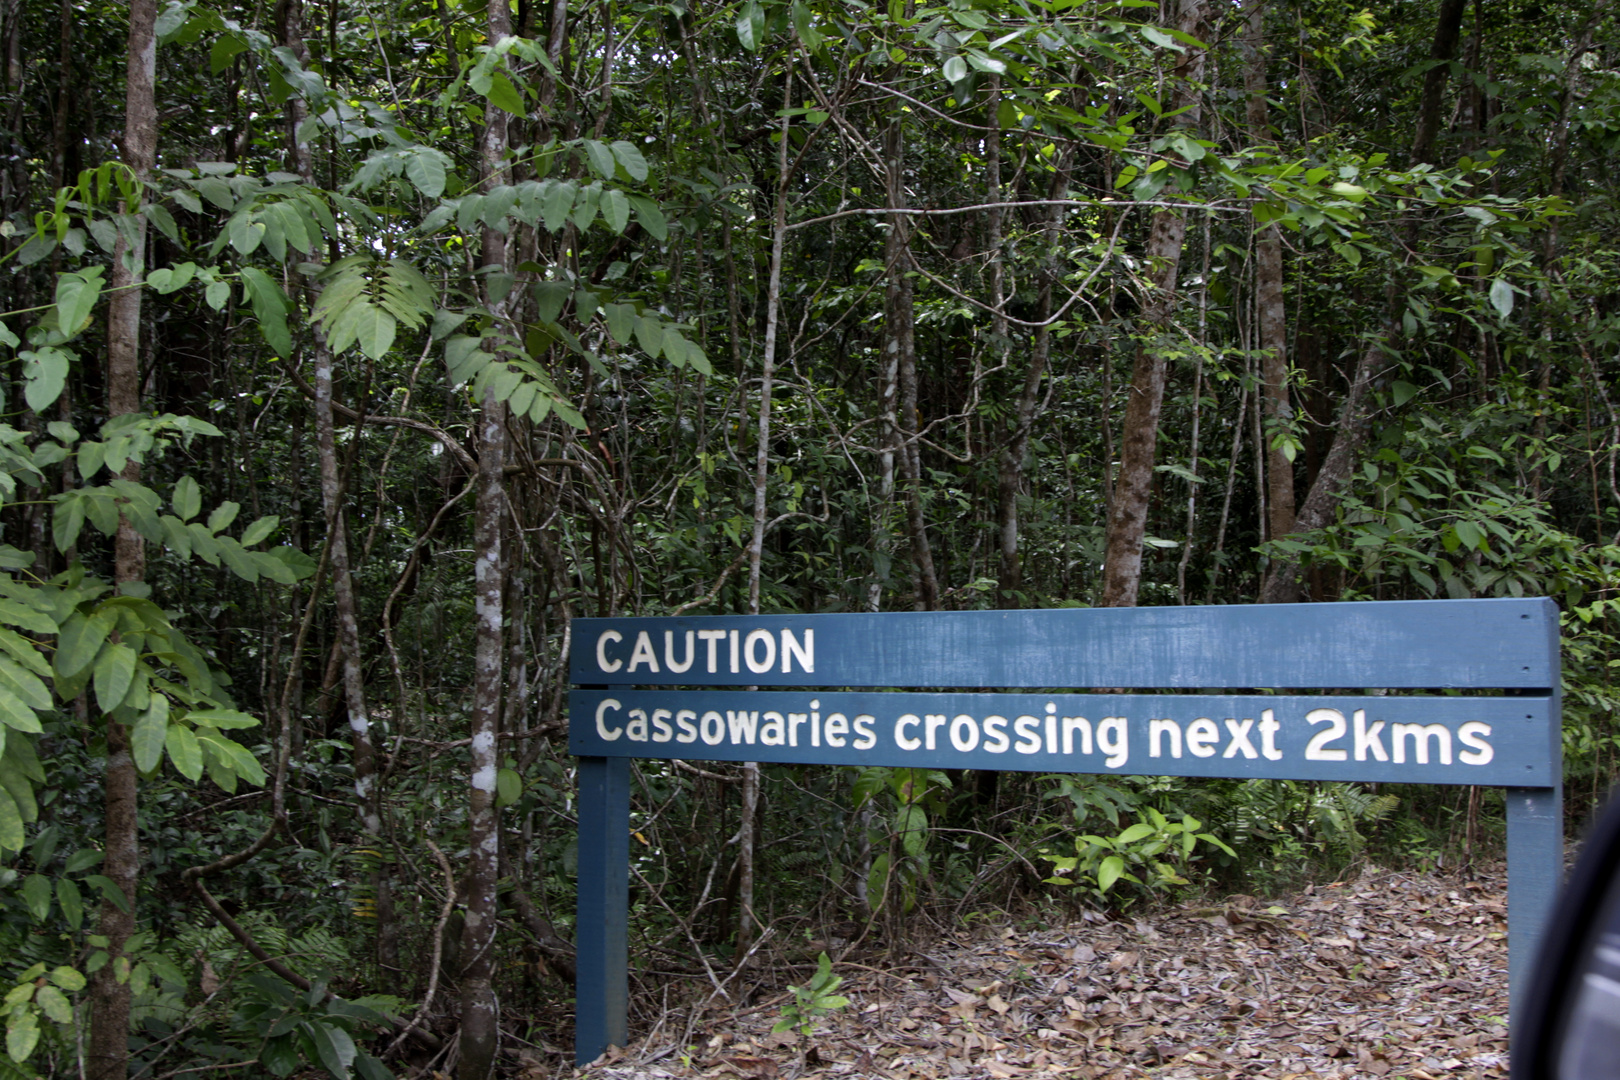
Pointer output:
x,y
352,349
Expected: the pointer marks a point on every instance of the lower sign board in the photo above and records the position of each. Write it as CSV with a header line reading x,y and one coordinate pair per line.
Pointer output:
x,y
1495,741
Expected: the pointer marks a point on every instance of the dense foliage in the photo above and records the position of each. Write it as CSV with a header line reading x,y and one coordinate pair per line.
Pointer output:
x,y
485,317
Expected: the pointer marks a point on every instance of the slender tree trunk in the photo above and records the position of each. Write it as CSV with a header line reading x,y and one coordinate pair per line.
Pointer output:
x,y
900,356
1268,272
480,1022
1127,519
109,996
1447,32
367,783
64,96
1010,461
746,839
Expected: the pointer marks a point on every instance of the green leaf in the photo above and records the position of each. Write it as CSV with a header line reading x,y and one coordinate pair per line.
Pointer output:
x,y
1502,297
109,890
1402,391
37,894
27,618
46,371
76,296
187,498
115,670
504,96
260,530
222,516
630,158
68,979
51,1001
1134,833
650,334
15,714
25,684
1111,870
11,823
751,26
333,1045
79,642
601,158
374,329
615,210
22,1035
508,787
555,205
184,751
426,172
151,730
955,69
222,718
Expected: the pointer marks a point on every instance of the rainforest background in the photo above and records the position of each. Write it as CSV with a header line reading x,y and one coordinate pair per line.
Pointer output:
x,y
351,348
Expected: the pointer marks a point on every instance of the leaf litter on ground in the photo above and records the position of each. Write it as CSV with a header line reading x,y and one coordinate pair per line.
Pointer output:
x,y
1398,975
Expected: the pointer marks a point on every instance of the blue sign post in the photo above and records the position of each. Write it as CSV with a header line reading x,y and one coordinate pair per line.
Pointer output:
x,y
1435,692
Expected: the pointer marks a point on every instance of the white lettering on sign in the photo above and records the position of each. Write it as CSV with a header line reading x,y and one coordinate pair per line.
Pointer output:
x,y
1327,735
757,650
678,666
601,650
1316,749
601,728
1420,734
643,654
1472,735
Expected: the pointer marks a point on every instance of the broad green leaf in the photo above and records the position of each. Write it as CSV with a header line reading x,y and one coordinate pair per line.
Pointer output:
x,y
45,371
425,170
333,1045
508,787
223,515
25,653
22,1035
37,894
650,334
24,683
184,751
630,158
955,69
555,205
1402,391
621,321
26,617
76,296
374,329
68,979
115,669
260,530
615,210
11,824
601,158
1110,871
751,26
1502,297
503,95
222,718
187,498
51,1000
151,730
17,715
80,641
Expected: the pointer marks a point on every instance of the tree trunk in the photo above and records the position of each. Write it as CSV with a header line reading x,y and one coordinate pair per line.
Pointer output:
x,y
1127,519
480,1022
746,839
109,996
1268,272
1010,461
1447,32
900,357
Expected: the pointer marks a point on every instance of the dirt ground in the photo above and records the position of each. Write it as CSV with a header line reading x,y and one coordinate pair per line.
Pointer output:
x,y
1390,975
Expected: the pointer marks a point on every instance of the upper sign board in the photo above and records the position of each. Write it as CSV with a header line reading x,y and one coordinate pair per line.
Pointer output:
x,y
1420,644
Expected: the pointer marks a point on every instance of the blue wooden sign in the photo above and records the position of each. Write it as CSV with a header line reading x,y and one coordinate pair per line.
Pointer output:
x,y
1438,692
